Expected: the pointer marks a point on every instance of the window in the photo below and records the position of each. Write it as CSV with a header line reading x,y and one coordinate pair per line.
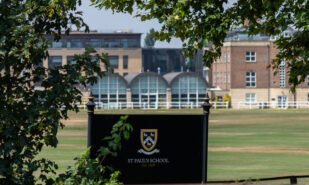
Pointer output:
x,y
70,60
133,43
308,98
125,74
250,79
226,57
113,61
76,43
250,98
282,102
111,43
250,56
125,62
54,61
110,88
308,80
124,43
59,44
95,43
282,74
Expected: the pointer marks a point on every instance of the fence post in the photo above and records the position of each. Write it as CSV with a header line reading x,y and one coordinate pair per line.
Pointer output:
x,y
293,180
206,106
90,107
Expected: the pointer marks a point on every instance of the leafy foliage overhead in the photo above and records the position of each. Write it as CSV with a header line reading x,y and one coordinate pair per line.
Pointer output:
x,y
198,23
30,117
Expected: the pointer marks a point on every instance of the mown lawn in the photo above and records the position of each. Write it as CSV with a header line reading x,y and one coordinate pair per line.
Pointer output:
x,y
242,143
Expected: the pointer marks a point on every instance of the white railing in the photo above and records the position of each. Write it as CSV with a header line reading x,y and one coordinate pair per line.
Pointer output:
x,y
265,104
154,105
216,105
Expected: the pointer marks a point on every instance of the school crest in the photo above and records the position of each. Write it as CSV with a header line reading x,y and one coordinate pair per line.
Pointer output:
x,y
148,139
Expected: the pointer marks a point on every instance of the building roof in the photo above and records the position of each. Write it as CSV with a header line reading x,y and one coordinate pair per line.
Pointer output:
x,y
170,77
131,77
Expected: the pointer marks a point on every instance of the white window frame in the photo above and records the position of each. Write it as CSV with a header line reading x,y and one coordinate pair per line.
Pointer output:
x,y
282,74
250,98
308,80
250,56
251,77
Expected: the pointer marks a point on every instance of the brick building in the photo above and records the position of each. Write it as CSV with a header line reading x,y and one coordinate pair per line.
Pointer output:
x,y
242,73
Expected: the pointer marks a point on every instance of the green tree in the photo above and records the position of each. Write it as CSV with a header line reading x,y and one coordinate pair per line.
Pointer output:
x,y
30,118
149,41
95,171
208,21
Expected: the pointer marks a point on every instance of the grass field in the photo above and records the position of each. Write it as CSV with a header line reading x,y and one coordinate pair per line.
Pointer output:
x,y
242,143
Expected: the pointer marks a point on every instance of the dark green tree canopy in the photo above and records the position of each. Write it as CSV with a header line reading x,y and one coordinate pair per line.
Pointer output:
x,y
208,21
149,41
30,118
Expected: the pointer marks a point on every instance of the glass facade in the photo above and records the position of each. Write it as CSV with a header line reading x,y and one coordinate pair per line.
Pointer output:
x,y
170,60
148,89
59,44
109,89
188,89
240,35
96,43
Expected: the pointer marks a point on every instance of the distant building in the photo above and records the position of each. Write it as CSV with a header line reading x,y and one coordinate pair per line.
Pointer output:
x,y
123,48
147,76
242,72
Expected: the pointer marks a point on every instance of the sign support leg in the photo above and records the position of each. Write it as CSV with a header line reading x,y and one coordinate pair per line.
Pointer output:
x,y
206,106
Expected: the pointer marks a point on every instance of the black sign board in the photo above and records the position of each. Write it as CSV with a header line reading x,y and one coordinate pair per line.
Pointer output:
x,y
161,149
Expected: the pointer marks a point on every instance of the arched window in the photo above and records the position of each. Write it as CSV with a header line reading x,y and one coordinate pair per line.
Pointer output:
x,y
188,88
148,89
110,88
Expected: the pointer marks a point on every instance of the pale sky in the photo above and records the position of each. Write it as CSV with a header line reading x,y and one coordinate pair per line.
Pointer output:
x,y
106,21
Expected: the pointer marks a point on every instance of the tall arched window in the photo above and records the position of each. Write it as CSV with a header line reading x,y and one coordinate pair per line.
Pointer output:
x,y
188,89
148,89
110,88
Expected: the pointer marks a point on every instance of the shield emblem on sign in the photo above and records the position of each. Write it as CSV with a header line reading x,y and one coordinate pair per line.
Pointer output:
x,y
149,138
